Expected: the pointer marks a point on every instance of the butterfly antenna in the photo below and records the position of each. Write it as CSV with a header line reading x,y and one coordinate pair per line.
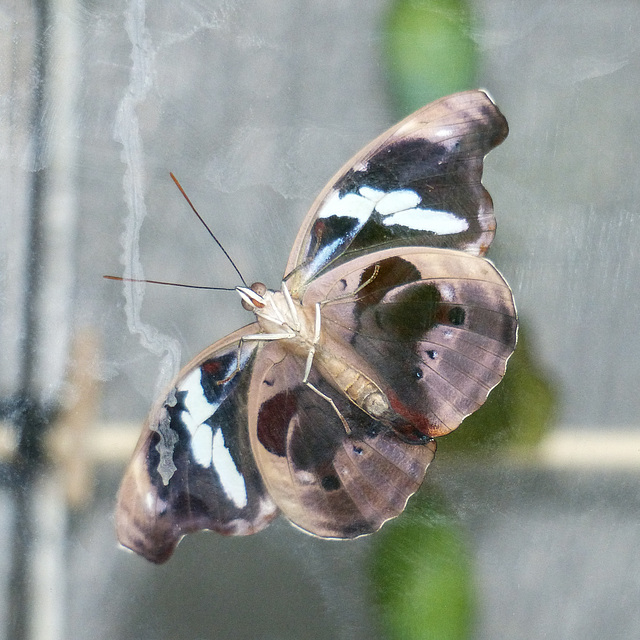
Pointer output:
x,y
170,284
206,226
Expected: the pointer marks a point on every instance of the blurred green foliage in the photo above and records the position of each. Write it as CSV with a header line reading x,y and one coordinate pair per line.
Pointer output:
x,y
421,575
429,49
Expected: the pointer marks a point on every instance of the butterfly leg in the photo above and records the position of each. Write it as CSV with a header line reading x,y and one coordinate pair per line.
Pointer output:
x,y
237,367
368,281
264,337
312,350
345,424
307,371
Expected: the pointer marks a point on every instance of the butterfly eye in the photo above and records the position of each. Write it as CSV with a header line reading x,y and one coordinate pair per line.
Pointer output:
x,y
259,288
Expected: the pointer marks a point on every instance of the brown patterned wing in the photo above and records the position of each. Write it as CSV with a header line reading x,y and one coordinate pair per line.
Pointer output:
x,y
418,184
436,327
326,481
192,468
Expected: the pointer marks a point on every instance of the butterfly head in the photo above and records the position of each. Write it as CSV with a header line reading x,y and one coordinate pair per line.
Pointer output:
x,y
253,297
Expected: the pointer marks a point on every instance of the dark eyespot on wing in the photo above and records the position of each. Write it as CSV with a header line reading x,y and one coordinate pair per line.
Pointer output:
x,y
330,483
457,315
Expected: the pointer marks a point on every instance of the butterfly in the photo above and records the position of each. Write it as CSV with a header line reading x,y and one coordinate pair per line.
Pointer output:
x,y
388,330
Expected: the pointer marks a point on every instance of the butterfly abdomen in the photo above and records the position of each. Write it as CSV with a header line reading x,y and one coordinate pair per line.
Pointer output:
x,y
357,386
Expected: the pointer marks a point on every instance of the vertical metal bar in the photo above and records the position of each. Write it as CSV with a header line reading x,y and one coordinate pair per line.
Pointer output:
x,y
37,578
18,618
28,417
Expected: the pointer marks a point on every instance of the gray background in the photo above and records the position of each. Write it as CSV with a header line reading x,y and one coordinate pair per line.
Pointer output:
x,y
254,105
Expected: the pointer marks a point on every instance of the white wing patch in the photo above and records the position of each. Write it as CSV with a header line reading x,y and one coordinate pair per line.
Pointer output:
x,y
441,223
398,207
231,479
209,449
396,201
375,195
202,445
195,402
351,205
197,410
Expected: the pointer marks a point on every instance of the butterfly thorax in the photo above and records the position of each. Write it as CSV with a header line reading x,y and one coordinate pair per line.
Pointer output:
x,y
280,317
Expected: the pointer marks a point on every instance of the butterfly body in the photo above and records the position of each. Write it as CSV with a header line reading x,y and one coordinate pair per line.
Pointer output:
x,y
389,329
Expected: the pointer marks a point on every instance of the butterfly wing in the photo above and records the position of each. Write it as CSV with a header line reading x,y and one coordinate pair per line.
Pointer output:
x,y
326,481
192,468
435,328
418,184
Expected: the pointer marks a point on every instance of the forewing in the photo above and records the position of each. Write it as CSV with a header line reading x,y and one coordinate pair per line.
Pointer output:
x,y
436,327
193,468
328,482
418,184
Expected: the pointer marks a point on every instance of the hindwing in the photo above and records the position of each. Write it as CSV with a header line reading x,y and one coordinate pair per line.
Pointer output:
x,y
436,326
328,482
